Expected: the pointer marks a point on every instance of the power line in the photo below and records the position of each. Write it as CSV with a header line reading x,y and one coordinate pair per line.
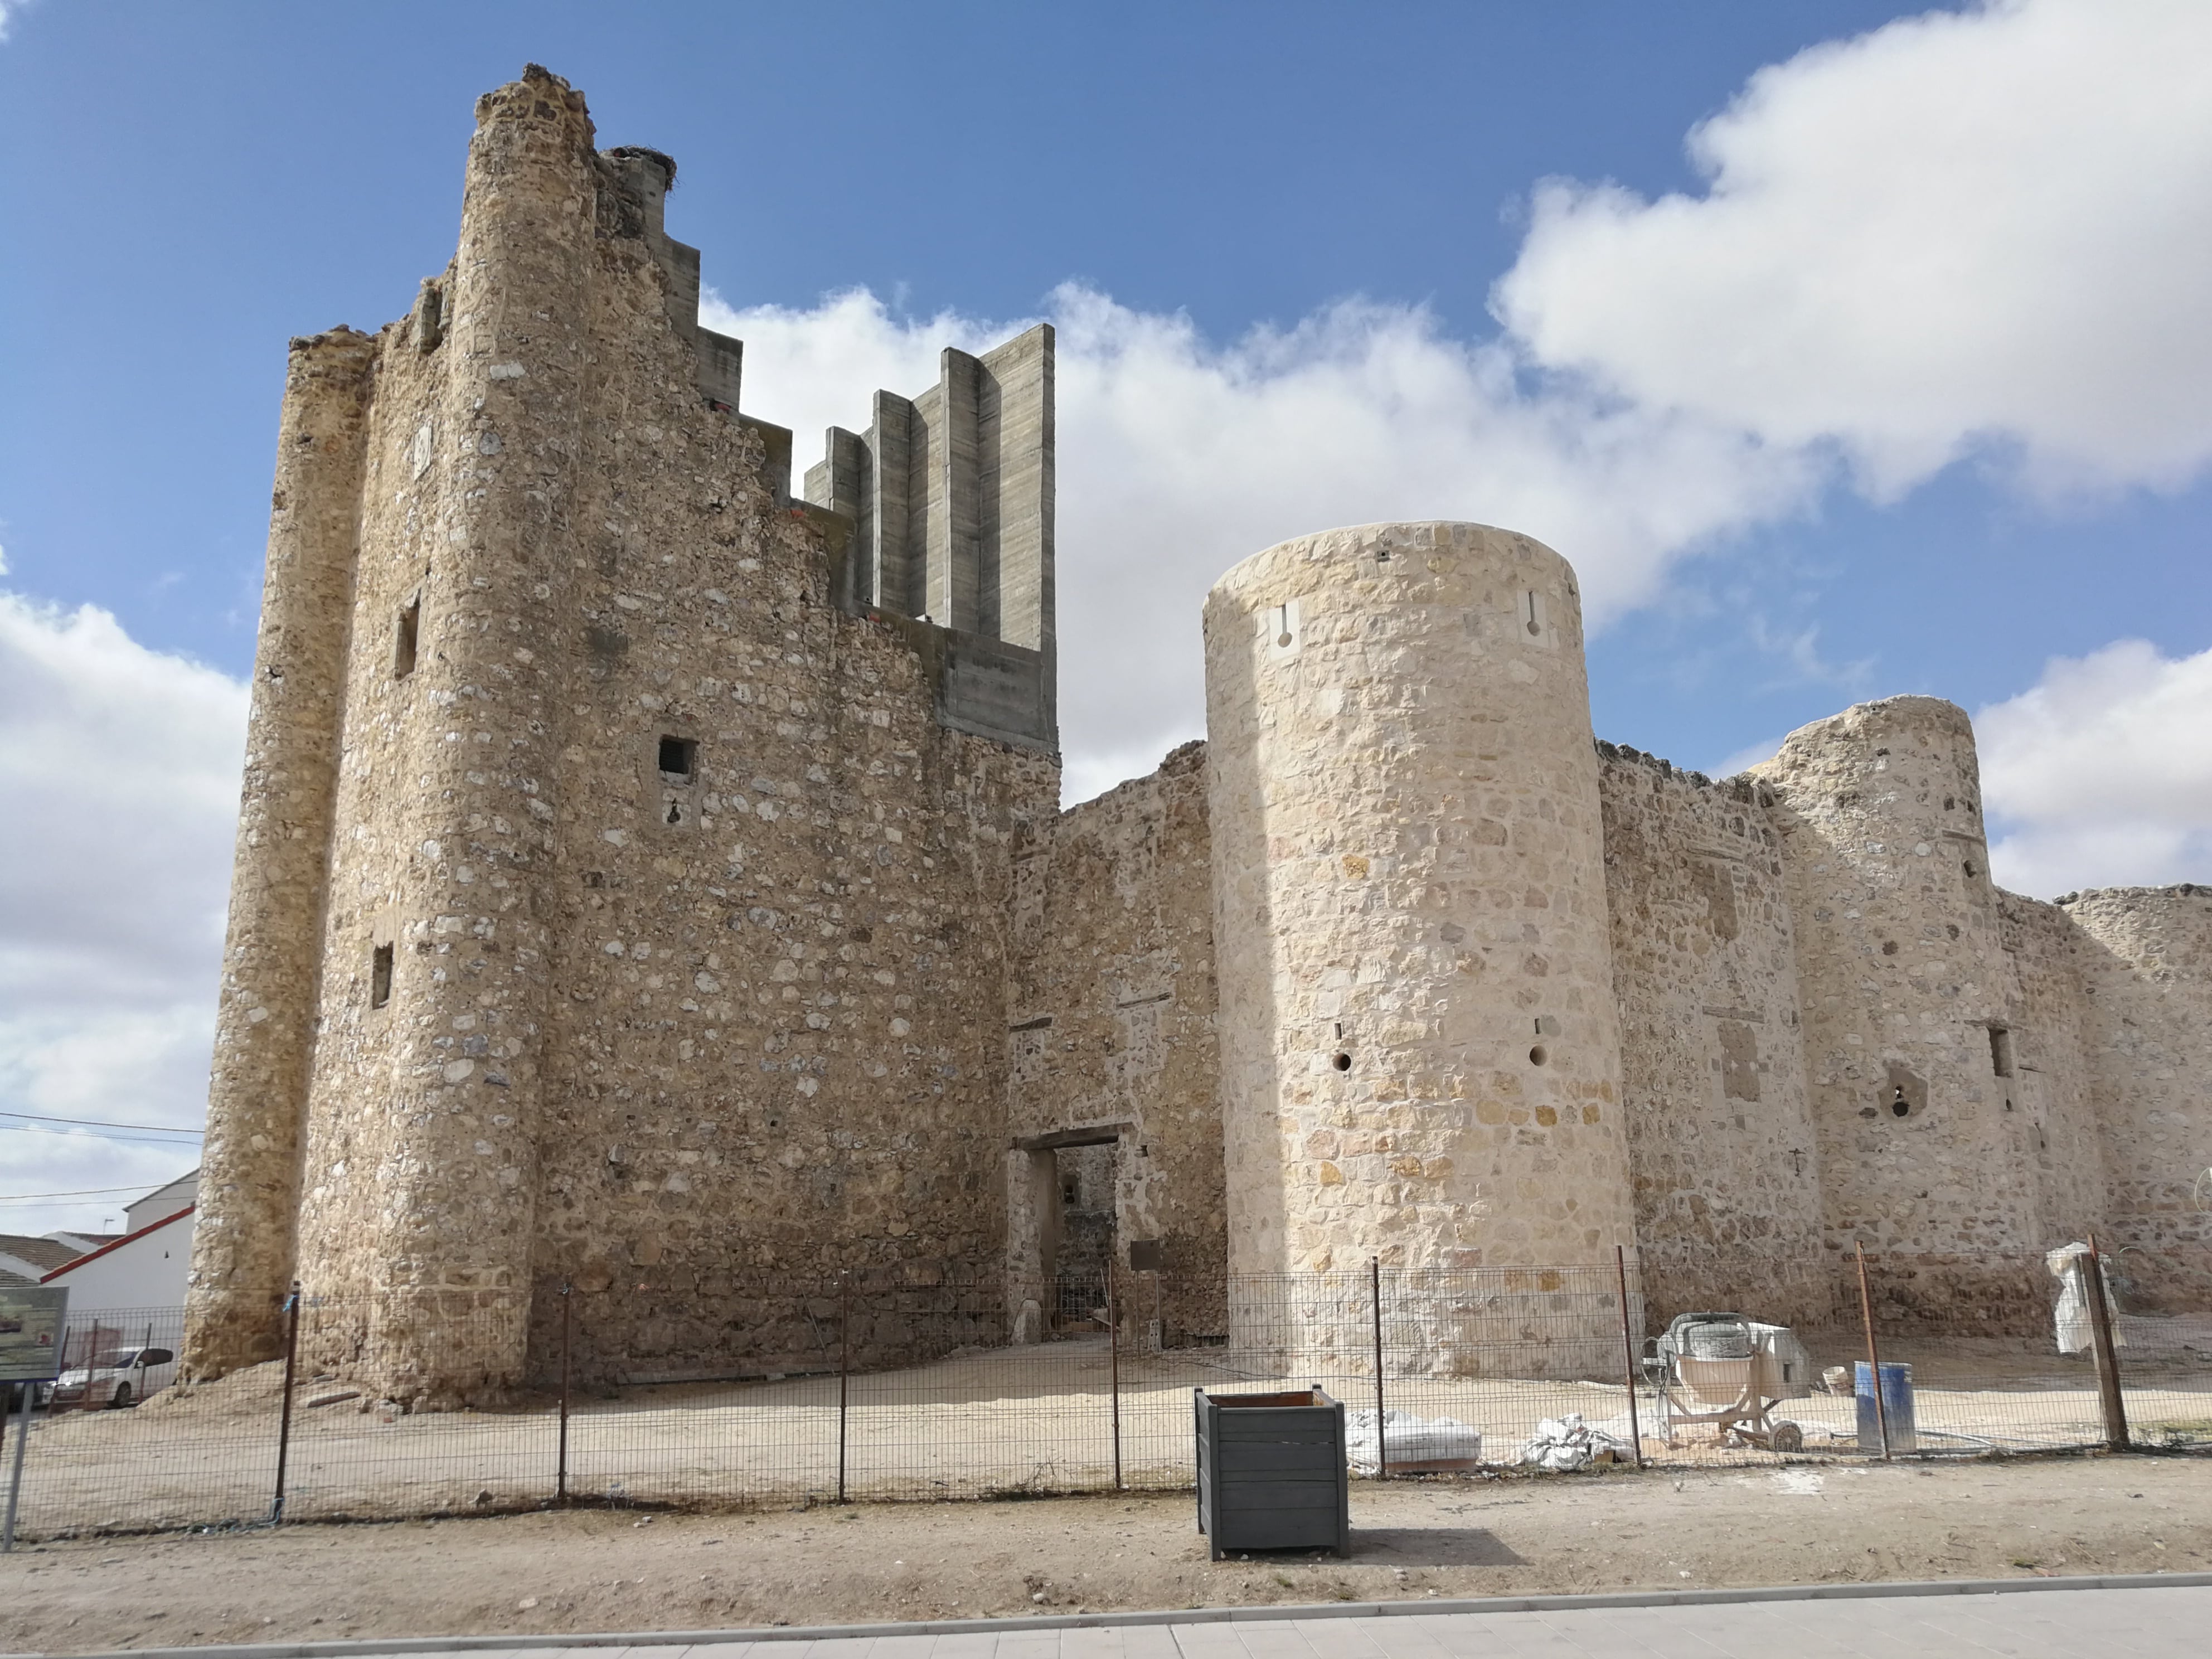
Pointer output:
x,y
34,1129
82,1192
98,1123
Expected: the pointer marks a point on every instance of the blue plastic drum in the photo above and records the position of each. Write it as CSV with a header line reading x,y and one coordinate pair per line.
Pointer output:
x,y
1897,1407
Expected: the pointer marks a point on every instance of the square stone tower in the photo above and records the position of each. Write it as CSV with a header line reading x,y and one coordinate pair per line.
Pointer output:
x,y
623,884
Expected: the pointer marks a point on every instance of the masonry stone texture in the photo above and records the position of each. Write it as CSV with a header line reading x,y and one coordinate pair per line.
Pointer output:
x,y
653,904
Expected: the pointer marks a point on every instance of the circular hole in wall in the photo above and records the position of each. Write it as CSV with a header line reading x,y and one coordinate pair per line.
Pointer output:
x,y
1889,947
1537,1056
1342,1062
1283,640
1899,1105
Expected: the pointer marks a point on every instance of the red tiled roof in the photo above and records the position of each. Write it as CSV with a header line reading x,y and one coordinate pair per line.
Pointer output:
x,y
116,1244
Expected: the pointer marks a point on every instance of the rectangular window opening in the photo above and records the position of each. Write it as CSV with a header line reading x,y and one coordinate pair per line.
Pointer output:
x,y
679,758
403,648
379,976
2000,1051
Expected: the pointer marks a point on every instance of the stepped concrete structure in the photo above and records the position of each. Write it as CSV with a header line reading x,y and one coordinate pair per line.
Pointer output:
x,y
652,898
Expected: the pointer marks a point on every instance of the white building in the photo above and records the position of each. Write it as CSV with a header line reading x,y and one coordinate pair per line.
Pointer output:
x,y
144,1269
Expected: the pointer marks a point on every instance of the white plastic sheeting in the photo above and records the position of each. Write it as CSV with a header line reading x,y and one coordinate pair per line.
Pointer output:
x,y
1562,1443
2070,1266
1407,1439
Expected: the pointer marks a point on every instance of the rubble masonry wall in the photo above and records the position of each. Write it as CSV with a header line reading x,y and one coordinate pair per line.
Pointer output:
x,y
1111,1018
1721,1146
2146,971
249,1190
643,1057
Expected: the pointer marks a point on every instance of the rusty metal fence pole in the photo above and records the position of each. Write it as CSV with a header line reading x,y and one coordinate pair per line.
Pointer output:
x,y
560,1477
1874,1352
1628,1353
1375,1308
844,1368
1113,1365
2108,1359
284,1413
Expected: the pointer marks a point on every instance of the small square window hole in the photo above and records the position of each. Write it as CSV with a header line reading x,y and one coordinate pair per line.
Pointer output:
x,y
679,759
2000,1061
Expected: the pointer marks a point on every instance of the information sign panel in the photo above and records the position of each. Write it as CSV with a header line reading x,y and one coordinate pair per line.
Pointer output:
x,y
31,1320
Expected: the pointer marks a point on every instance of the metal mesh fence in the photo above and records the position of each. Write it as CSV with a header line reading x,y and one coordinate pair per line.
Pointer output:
x,y
888,1388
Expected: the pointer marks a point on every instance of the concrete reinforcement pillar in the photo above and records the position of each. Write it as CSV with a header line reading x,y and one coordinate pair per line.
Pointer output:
x,y
249,1195
1420,1047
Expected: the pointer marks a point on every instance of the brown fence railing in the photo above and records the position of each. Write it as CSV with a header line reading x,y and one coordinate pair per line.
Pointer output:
x,y
895,1389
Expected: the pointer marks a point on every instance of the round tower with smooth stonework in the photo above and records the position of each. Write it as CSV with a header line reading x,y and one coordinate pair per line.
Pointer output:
x,y
1419,1046
1922,1074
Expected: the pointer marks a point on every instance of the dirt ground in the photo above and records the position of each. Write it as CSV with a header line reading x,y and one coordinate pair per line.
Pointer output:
x,y
978,1424
615,1570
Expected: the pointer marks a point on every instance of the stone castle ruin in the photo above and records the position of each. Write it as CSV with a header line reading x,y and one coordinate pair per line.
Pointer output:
x,y
654,882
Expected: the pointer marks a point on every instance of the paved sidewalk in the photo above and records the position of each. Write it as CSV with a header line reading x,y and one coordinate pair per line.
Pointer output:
x,y
2161,1619
2087,1624
2056,1624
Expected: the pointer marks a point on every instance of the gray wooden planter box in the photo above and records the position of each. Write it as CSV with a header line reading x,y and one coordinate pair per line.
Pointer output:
x,y
1271,1472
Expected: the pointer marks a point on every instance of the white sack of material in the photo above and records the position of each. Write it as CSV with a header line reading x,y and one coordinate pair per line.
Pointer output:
x,y
1564,1444
2070,1266
1406,1439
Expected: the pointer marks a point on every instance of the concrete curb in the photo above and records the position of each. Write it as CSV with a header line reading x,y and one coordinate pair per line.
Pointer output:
x,y
1274,1614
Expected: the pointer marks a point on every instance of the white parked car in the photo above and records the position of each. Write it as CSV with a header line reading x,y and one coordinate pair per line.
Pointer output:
x,y
125,1379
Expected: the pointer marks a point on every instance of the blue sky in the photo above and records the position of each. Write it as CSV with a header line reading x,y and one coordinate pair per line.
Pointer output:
x,y
1891,377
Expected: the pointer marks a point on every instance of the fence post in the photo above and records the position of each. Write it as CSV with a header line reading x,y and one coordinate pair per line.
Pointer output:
x,y
25,1397
560,1478
2108,1359
1874,1352
844,1368
1113,1365
1628,1354
1375,1307
284,1416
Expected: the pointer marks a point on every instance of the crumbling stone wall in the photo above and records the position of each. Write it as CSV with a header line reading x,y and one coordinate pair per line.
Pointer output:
x,y
2047,1116
1110,1017
1724,1157
2145,962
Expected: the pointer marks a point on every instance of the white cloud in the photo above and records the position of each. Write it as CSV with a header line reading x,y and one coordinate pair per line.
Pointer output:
x,y
1965,232
1961,230
1982,232
1178,457
2100,774
1751,754
119,766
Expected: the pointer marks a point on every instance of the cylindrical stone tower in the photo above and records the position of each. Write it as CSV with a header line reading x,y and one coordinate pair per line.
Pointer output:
x,y
249,1192
422,1218
1419,1047
1912,1059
